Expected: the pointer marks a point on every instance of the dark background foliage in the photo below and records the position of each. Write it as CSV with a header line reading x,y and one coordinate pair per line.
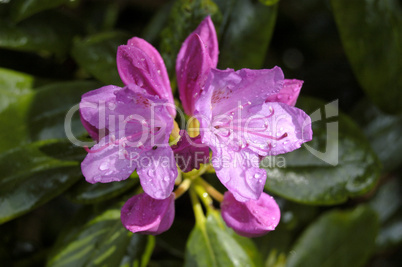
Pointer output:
x,y
51,52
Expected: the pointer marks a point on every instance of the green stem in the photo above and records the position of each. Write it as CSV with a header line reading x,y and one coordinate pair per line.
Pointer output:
x,y
198,212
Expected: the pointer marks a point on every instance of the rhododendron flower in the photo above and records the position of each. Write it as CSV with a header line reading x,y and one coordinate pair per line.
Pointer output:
x,y
138,126
145,215
240,127
252,218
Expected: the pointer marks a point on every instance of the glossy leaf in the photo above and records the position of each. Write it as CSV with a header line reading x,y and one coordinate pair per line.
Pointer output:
x,y
36,34
13,84
371,34
337,238
383,131
245,33
102,241
97,55
41,114
343,164
30,178
185,15
388,204
86,193
21,9
212,244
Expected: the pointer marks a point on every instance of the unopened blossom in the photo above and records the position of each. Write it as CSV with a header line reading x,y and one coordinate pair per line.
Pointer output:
x,y
140,63
197,55
137,127
252,218
145,215
190,152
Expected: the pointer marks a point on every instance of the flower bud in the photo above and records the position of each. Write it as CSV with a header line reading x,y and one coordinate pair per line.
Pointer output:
x,y
252,218
146,215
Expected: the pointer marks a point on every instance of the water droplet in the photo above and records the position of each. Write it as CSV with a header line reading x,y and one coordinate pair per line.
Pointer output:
x,y
151,173
195,95
240,107
159,71
142,59
279,97
257,175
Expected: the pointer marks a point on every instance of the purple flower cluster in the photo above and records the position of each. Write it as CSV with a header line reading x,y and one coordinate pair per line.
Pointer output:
x,y
243,116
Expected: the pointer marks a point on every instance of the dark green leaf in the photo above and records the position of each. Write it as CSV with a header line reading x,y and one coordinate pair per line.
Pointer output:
x,y
102,241
50,32
343,166
388,199
337,238
13,85
84,192
30,178
97,55
185,16
269,2
388,204
245,33
41,114
21,9
212,244
383,131
371,33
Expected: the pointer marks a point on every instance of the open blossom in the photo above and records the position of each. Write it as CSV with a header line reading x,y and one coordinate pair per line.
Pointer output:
x,y
252,218
138,128
145,215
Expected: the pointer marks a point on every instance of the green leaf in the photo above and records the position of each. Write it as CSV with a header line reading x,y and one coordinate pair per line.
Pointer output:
x,y
343,164
30,178
13,85
374,49
212,244
269,2
50,32
185,16
21,9
337,238
97,55
388,204
86,193
245,33
41,114
383,131
102,241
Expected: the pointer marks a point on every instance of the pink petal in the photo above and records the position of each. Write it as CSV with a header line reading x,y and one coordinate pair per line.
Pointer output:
x,y
157,171
145,215
281,129
135,66
253,218
156,58
239,172
206,30
106,162
227,90
288,94
192,67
